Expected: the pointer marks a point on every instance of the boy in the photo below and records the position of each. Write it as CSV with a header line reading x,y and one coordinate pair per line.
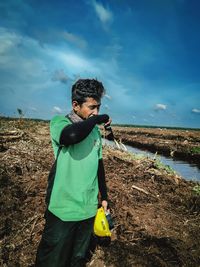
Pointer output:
x,y
75,179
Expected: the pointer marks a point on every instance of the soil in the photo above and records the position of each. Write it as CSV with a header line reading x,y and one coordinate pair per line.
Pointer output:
x,y
181,144
156,213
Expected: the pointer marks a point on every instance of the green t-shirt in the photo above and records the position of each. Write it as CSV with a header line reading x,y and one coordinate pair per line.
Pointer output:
x,y
75,188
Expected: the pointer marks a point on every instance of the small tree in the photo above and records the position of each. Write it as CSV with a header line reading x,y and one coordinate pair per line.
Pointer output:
x,y
21,116
20,112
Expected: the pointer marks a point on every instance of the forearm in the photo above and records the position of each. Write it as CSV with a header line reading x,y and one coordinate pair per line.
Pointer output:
x,y
76,132
102,181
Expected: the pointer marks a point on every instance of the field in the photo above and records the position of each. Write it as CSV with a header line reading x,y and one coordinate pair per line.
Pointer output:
x,y
156,212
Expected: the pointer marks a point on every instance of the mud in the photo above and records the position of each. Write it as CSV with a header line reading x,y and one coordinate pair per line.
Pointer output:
x,y
156,213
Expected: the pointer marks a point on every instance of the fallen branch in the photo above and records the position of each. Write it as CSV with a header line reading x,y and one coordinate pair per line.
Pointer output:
x,y
140,189
11,135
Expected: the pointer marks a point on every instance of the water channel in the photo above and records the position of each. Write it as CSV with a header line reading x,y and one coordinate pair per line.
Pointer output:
x,y
186,170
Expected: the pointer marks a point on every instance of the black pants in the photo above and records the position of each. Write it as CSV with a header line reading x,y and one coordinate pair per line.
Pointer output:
x,y
64,244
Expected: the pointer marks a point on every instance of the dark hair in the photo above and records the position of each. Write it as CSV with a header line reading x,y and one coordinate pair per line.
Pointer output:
x,y
84,88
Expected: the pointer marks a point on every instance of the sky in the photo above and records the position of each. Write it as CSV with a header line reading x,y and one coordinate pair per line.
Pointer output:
x,y
145,52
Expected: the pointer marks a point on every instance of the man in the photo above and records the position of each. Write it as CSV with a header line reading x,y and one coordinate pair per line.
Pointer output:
x,y
75,180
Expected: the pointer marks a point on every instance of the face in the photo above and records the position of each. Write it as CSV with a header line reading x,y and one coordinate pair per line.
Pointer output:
x,y
89,108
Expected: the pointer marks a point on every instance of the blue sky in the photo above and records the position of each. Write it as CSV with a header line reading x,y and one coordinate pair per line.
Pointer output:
x,y
146,53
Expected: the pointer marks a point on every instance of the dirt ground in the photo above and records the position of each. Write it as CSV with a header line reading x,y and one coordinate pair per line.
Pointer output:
x,y
156,213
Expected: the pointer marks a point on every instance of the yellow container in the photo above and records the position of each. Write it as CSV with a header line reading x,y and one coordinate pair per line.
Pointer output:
x,y
101,226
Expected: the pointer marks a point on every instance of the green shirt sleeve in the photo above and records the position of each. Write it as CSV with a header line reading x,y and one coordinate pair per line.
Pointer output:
x,y
57,124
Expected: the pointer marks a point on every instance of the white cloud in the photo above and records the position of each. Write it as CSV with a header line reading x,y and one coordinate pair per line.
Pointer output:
x,y
160,107
21,65
104,14
57,110
195,110
75,63
7,40
77,40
